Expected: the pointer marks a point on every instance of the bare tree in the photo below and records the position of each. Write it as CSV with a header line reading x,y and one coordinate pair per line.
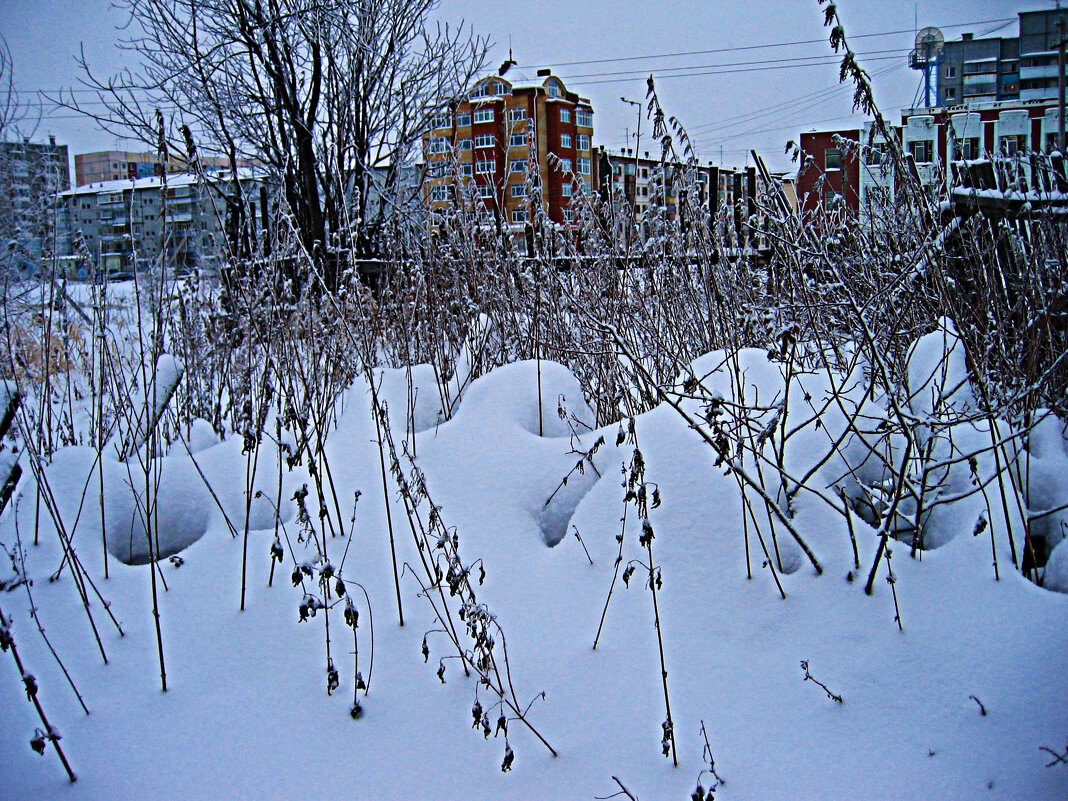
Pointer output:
x,y
329,94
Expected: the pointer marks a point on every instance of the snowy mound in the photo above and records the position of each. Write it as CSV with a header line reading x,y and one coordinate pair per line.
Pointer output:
x,y
175,499
515,395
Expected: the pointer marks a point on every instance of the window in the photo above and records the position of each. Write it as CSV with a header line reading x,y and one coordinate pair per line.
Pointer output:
x,y
875,154
439,193
519,165
951,72
520,215
584,118
922,150
500,88
517,140
465,143
440,121
565,165
583,141
485,190
565,115
967,148
553,89
951,93
565,140
485,140
439,144
482,90
484,115
517,114
832,158
569,215
487,167
467,169
1011,145
583,166
463,118
566,189
519,190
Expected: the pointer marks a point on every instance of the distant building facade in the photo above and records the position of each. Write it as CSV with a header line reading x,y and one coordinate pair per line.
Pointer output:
x,y
488,142
844,174
122,226
995,69
31,174
1006,129
118,165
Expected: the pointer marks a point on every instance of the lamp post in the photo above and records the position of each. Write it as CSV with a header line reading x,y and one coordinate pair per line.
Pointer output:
x,y
637,145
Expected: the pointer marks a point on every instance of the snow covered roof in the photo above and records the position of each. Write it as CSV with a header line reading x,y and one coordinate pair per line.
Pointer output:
x,y
154,182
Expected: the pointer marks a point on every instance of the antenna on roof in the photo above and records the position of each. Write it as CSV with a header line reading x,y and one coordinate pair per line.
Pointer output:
x,y
510,62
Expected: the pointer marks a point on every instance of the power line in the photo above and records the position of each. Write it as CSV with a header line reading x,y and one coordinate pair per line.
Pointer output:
x,y
823,57
761,46
832,61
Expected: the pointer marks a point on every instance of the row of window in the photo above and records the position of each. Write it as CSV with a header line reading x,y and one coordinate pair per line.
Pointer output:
x,y
441,144
464,118
922,150
442,193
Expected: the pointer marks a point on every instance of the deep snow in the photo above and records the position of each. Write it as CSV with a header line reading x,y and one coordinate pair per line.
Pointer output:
x,y
247,715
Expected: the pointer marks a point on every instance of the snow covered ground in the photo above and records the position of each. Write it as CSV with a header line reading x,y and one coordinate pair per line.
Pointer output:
x,y
958,705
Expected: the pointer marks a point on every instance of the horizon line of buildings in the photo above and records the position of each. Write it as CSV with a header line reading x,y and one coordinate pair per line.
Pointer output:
x,y
510,141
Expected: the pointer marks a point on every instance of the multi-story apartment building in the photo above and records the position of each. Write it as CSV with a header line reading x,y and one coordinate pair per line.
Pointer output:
x,y
991,69
729,198
116,165
839,168
937,136
138,224
31,173
640,177
505,138
974,70
844,171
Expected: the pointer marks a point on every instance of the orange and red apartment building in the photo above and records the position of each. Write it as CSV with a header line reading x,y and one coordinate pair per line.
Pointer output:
x,y
488,141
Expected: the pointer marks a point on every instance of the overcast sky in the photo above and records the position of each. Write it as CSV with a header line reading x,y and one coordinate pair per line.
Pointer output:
x,y
731,103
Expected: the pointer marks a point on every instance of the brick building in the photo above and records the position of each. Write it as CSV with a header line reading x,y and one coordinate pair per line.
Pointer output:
x,y
118,165
844,173
487,142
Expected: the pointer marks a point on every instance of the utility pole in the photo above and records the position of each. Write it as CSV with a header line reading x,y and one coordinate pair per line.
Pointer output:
x,y
637,144
1060,81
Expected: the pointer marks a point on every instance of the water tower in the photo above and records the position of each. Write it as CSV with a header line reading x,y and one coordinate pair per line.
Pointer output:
x,y
925,56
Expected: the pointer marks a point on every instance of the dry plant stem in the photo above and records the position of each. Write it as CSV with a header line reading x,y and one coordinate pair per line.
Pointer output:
x,y
888,520
891,579
81,578
615,575
40,626
32,692
748,510
660,647
415,522
622,791
641,372
389,517
491,679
